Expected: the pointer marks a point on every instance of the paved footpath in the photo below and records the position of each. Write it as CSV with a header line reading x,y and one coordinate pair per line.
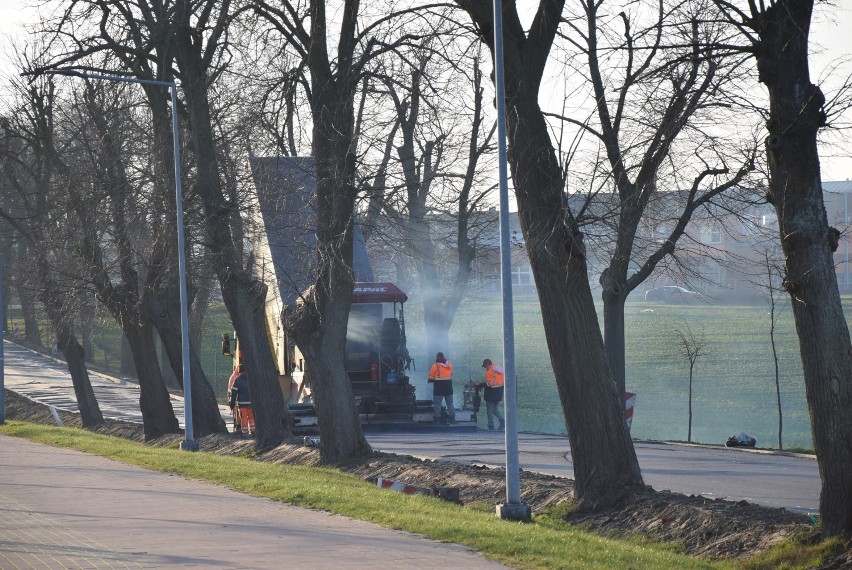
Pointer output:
x,y
60,508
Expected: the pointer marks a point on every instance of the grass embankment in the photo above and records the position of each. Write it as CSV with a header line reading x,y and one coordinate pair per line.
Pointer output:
x,y
545,543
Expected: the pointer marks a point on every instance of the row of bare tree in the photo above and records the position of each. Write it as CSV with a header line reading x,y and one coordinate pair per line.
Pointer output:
x,y
389,100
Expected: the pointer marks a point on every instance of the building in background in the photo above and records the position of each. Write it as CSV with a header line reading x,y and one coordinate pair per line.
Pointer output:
x,y
722,254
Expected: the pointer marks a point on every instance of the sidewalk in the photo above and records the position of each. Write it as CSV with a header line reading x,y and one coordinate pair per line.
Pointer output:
x,y
45,379
61,508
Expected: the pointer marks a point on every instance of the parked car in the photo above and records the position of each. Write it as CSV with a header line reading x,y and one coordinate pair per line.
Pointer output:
x,y
671,294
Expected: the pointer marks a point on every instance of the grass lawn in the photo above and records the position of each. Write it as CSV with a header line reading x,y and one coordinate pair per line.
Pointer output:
x,y
733,386
544,543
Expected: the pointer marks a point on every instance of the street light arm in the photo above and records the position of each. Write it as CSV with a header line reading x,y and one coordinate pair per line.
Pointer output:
x,y
85,75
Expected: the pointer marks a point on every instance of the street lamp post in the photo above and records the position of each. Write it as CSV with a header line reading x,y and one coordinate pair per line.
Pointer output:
x,y
189,443
2,348
513,508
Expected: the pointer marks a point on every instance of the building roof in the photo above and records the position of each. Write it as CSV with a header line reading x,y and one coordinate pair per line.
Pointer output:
x,y
286,224
837,186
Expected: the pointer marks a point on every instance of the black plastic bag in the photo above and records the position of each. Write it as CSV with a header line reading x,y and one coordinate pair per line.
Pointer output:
x,y
741,440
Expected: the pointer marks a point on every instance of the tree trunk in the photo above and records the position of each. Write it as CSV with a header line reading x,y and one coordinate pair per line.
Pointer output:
x,y
87,312
613,309
169,375
244,296
32,332
775,363
164,311
795,189
158,416
198,310
322,331
127,366
605,464
689,430
27,296
341,436
90,412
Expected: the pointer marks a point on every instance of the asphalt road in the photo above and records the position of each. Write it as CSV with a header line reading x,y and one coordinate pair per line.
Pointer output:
x,y
769,479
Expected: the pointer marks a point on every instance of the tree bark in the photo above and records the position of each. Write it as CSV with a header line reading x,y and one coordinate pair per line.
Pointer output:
x,y
614,334
795,188
158,416
689,430
87,313
166,368
164,311
127,366
341,436
27,296
244,295
90,412
605,464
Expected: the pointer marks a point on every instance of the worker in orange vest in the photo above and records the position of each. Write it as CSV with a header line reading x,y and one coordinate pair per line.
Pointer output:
x,y
441,378
493,392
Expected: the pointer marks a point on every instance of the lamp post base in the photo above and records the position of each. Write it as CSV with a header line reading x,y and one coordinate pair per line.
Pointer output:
x,y
189,445
514,511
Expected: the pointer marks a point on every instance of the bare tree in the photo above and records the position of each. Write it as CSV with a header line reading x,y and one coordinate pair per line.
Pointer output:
x,y
319,327
115,199
655,91
605,464
198,41
774,272
770,283
437,205
31,167
693,345
147,37
776,34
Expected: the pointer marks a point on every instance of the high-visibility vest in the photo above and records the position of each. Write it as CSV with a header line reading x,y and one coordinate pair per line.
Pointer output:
x,y
441,371
494,376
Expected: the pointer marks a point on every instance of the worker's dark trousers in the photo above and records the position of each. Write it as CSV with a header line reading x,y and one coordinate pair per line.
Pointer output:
x,y
436,405
493,409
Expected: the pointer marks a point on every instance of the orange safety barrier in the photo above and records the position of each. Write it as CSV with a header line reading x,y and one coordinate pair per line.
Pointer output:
x,y
245,417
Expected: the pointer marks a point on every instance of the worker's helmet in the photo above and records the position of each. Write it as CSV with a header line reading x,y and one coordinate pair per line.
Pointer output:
x,y
486,363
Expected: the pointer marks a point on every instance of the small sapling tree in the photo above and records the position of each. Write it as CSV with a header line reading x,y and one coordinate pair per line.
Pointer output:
x,y
692,344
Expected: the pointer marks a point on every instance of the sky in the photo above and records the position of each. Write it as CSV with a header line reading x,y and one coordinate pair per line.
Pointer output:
x,y
830,39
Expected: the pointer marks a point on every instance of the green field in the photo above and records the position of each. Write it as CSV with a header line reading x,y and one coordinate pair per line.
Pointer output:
x,y
733,390
733,387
